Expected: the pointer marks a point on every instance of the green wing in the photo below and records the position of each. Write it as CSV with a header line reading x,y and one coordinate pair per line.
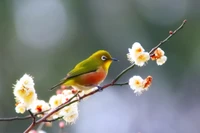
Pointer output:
x,y
77,72
83,67
86,66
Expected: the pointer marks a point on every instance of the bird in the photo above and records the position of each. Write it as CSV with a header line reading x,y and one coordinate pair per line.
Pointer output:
x,y
89,73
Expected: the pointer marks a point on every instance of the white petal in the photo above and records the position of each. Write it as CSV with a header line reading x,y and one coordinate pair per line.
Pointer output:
x,y
162,60
142,59
20,108
135,82
161,51
137,45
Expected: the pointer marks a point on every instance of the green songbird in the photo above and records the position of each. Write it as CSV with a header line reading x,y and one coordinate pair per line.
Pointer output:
x,y
89,73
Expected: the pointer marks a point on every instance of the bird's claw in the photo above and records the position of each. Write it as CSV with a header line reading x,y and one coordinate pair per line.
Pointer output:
x,y
78,97
100,88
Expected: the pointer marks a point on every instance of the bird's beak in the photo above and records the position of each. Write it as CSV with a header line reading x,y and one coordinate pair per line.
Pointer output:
x,y
114,59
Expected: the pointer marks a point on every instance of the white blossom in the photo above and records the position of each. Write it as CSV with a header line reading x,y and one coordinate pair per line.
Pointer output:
x,y
24,90
20,108
137,54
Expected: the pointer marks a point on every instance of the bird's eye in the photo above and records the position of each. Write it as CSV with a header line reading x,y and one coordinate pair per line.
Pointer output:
x,y
103,57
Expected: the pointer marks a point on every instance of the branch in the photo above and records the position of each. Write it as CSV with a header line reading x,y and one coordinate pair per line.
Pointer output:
x,y
33,122
15,118
52,120
121,84
171,33
22,118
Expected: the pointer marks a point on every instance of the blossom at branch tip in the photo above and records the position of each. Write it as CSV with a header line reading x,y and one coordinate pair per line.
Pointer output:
x,y
39,106
139,85
159,56
24,90
161,60
20,108
137,54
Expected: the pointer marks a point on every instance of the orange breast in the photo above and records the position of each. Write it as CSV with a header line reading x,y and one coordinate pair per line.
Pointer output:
x,y
93,78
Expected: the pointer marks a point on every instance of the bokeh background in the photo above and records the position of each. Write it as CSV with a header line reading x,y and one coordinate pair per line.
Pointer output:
x,y
46,38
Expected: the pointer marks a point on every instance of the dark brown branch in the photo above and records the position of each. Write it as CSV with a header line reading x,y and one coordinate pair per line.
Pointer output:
x,y
121,84
22,118
15,118
33,122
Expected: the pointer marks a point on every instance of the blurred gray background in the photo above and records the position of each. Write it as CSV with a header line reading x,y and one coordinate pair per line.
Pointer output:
x,y
46,38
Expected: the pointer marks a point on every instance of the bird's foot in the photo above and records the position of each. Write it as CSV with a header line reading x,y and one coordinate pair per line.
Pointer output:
x,y
78,97
100,88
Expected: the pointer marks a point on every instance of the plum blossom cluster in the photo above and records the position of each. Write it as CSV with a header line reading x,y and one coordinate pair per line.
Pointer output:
x,y
26,99
139,57
139,85
69,113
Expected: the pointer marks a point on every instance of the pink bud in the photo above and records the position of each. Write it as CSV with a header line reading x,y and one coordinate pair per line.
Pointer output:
x,y
74,91
62,124
48,124
32,131
171,32
63,87
59,91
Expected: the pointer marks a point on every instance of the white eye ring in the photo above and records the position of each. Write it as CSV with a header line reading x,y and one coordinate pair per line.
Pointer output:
x,y
103,57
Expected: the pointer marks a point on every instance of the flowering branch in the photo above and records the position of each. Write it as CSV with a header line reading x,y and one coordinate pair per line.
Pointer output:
x,y
64,106
151,52
171,33
44,118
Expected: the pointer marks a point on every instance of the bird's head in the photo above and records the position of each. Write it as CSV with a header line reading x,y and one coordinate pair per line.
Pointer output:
x,y
103,58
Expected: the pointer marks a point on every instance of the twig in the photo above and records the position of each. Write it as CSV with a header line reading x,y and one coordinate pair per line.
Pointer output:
x,y
122,73
22,118
172,33
33,122
15,118
52,120
121,84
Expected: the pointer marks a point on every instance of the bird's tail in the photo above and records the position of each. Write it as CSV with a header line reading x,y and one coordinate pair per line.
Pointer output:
x,y
55,86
